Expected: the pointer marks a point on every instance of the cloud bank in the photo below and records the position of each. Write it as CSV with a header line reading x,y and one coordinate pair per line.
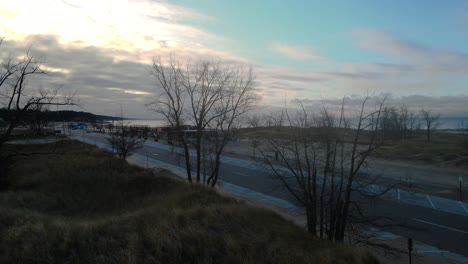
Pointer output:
x,y
102,50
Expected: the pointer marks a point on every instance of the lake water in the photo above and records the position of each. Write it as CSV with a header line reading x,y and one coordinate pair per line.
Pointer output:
x,y
148,122
452,122
445,123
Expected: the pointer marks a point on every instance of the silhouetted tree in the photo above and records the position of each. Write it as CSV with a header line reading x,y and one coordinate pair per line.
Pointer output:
x,y
320,169
17,97
210,96
122,140
397,123
254,121
430,121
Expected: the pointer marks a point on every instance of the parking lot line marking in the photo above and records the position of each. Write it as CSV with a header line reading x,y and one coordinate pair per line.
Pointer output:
x,y
432,251
466,210
433,207
441,226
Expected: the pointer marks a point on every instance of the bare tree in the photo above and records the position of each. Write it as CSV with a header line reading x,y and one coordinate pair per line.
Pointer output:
x,y
205,83
269,120
320,169
211,96
431,122
17,97
122,140
171,100
412,122
37,118
397,123
278,118
275,119
391,125
238,97
254,121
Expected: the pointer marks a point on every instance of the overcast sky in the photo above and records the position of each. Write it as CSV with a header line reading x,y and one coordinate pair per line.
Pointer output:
x,y
416,51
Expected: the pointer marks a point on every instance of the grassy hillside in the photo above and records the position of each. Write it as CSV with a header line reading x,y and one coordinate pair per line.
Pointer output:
x,y
84,206
444,147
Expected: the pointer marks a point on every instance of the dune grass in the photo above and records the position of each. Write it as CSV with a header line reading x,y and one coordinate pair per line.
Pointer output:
x,y
443,148
82,205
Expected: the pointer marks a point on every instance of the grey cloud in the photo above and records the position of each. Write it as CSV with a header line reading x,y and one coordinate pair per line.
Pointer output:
x,y
284,87
422,57
352,75
299,78
89,73
447,106
347,77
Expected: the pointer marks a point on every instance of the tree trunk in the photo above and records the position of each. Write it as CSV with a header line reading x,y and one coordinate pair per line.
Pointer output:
x,y
311,219
217,164
187,158
198,150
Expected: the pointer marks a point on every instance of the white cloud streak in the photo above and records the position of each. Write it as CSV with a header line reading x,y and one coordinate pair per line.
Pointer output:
x,y
295,52
421,57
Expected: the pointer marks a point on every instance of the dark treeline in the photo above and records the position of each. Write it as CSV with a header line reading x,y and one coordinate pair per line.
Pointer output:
x,y
37,119
396,122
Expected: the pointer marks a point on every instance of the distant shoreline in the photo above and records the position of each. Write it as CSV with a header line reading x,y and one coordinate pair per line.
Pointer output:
x,y
446,123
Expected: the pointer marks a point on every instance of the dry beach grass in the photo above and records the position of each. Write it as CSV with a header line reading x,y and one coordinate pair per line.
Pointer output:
x,y
82,205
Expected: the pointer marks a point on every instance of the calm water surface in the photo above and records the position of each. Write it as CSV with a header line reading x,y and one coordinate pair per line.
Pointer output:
x,y
445,123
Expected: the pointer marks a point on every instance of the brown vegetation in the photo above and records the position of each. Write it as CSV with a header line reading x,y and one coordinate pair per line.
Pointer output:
x,y
444,149
85,206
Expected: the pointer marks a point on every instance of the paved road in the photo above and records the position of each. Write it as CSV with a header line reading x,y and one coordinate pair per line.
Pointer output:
x,y
442,182
412,176
423,222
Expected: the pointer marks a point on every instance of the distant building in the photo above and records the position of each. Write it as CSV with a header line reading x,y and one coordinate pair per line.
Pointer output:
x,y
78,126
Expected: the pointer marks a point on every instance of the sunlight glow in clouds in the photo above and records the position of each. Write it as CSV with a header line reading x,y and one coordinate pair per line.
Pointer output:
x,y
53,69
136,92
117,24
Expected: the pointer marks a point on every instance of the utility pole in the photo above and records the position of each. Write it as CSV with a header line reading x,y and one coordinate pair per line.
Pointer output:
x,y
410,248
204,160
460,180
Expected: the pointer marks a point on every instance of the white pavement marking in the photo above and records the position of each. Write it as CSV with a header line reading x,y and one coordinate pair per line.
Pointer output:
x,y
433,207
466,210
441,226
432,251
